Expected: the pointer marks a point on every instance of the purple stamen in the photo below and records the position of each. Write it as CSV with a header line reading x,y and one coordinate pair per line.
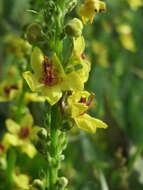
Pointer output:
x,y
24,132
49,73
8,89
83,56
2,148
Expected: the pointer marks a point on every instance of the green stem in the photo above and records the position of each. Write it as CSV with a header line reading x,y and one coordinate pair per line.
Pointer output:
x,y
54,134
53,172
55,24
56,145
11,160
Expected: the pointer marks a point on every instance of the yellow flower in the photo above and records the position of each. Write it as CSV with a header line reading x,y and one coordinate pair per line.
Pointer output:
x,y
17,46
126,37
78,58
88,10
101,52
135,4
77,105
21,135
10,87
21,181
49,77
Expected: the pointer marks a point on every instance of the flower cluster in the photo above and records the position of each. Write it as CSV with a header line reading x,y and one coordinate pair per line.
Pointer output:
x,y
51,78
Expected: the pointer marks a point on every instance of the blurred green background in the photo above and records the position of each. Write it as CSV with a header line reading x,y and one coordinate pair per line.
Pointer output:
x,y
112,158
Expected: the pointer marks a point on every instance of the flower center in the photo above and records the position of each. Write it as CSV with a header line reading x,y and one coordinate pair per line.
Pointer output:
x,y
24,132
83,56
87,101
2,148
7,89
82,100
50,73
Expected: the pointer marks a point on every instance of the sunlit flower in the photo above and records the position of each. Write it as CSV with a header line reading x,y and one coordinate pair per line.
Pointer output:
x,y
88,10
10,87
21,135
49,77
77,105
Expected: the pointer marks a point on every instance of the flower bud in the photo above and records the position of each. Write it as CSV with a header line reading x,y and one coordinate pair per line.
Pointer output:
x,y
62,157
74,28
72,5
67,124
38,184
42,134
63,181
17,46
34,33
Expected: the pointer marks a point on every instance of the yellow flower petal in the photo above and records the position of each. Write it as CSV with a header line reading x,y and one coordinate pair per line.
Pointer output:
x,y
84,72
76,108
31,80
12,126
21,181
52,94
37,59
10,139
88,10
33,97
58,66
79,46
33,132
27,121
29,149
73,82
88,123
76,96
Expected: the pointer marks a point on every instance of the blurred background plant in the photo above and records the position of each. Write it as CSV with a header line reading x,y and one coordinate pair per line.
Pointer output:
x,y
110,159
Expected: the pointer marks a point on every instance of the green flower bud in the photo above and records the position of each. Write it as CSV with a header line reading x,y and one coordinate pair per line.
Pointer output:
x,y
72,5
67,124
42,134
34,33
38,184
74,28
61,157
17,46
63,181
